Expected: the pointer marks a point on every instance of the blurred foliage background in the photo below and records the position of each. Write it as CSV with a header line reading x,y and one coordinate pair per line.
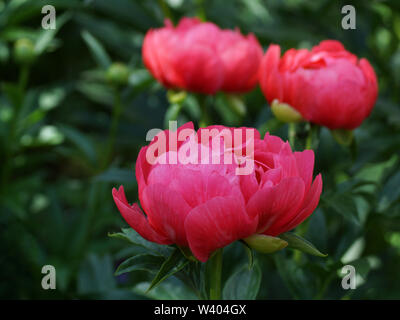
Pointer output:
x,y
58,165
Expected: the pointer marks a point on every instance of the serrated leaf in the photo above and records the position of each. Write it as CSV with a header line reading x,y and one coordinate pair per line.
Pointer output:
x,y
133,237
299,243
243,284
172,265
144,262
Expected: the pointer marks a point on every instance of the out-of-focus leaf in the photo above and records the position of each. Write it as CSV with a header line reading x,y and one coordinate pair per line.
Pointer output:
x,y
81,141
171,289
46,36
96,275
97,50
390,192
116,175
243,284
294,276
96,92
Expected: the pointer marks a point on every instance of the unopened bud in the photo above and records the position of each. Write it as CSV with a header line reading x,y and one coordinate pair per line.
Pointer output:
x,y
284,112
264,243
118,74
24,51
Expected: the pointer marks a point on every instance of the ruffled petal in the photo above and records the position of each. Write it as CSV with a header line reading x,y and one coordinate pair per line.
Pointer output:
x,y
136,219
305,166
167,211
276,205
217,223
309,204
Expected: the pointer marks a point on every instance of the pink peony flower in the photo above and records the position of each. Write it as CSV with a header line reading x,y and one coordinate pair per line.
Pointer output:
x,y
199,57
328,85
203,204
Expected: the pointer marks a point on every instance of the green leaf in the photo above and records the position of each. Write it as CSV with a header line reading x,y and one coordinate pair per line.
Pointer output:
x,y
390,192
133,237
144,262
250,254
97,50
47,36
344,204
243,284
117,175
172,265
81,141
295,277
299,243
95,275
172,289
172,113
237,104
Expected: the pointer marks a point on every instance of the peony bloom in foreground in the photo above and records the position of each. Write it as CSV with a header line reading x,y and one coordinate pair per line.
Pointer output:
x,y
199,57
206,206
328,85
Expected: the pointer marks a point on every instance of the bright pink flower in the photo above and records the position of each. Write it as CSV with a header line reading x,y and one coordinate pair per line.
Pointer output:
x,y
200,57
328,85
207,206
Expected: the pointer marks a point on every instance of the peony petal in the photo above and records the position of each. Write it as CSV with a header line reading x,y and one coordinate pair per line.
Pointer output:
x,y
269,74
305,166
167,211
276,205
199,67
136,219
309,204
217,223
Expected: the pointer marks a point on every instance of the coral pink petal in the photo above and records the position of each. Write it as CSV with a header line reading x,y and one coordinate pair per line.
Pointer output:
x,y
276,205
305,166
217,223
310,203
136,219
167,212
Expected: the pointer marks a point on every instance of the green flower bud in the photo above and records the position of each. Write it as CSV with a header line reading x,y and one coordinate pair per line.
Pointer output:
x,y
118,74
264,243
284,112
176,96
24,51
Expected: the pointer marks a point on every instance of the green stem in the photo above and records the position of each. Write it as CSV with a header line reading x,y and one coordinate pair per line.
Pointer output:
x,y
165,9
201,13
292,134
215,275
309,140
205,118
312,137
116,114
